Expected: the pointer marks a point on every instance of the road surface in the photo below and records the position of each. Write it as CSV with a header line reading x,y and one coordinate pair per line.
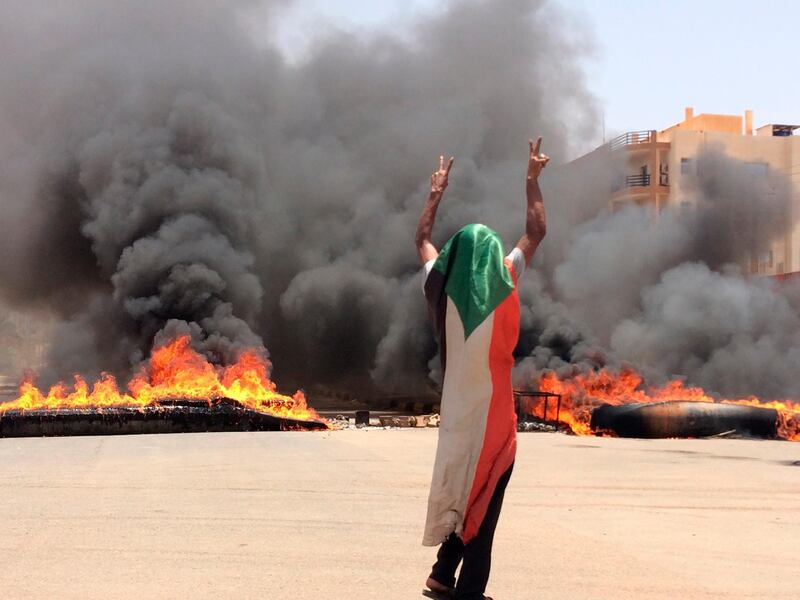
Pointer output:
x,y
339,515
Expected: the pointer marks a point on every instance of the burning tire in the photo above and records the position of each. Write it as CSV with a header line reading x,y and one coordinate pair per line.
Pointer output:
x,y
172,416
684,420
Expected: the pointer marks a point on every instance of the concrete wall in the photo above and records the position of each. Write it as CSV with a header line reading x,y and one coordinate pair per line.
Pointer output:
x,y
709,122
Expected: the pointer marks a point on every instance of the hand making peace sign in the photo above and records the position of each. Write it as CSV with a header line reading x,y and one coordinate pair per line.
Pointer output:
x,y
439,178
537,160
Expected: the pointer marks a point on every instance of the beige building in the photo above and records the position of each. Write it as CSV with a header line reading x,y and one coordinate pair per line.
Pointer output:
x,y
658,168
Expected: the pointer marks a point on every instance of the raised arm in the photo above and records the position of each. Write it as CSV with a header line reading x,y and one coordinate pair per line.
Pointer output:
x,y
427,251
535,222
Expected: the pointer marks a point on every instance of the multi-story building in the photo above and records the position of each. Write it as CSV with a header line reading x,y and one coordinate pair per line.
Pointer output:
x,y
659,168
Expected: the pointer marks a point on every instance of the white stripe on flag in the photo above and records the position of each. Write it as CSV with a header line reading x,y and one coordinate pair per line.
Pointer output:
x,y
466,395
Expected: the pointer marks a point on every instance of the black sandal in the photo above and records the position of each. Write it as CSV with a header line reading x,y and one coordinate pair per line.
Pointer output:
x,y
439,595
445,593
448,596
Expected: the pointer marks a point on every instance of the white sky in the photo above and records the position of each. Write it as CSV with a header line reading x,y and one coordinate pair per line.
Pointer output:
x,y
653,57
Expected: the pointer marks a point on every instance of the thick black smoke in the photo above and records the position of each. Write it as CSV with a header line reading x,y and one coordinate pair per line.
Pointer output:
x,y
163,171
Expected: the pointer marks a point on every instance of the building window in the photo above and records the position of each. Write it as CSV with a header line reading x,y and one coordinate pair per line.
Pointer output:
x,y
685,162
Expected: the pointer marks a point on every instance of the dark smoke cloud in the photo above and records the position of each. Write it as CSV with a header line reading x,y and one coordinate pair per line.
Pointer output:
x,y
726,333
165,172
742,209
140,179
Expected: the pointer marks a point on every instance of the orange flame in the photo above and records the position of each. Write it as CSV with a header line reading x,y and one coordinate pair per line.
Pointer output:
x,y
174,370
580,394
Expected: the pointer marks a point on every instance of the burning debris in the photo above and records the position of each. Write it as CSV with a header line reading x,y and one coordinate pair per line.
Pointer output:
x,y
617,403
164,416
177,390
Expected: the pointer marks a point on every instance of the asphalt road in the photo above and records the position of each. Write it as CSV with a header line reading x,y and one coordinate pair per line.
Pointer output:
x,y
339,515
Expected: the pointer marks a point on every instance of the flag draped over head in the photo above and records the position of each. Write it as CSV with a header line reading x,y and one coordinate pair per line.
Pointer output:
x,y
473,303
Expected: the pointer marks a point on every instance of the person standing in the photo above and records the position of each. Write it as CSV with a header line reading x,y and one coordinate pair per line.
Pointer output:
x,y
471,289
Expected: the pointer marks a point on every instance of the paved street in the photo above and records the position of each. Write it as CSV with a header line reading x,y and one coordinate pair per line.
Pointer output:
x,y
340,514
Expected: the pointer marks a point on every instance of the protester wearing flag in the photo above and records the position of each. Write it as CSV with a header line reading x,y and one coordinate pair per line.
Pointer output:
x,y
471,289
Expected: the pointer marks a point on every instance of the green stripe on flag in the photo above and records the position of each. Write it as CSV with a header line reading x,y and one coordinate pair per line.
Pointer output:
x,y
477,279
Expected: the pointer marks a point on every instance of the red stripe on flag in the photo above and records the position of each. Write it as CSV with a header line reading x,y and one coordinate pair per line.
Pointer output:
x,y
500,438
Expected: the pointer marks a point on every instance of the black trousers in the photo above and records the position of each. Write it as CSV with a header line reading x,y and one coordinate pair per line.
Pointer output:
x,y
476,556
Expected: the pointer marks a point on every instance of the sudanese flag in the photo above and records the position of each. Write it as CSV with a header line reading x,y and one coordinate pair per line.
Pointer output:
x,y
473,303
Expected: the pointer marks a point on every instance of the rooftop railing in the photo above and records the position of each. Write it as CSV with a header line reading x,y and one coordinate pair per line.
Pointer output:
x,y
631,138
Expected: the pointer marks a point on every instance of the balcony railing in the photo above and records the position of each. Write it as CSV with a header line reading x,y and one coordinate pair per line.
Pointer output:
x,y
631,138
640,180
